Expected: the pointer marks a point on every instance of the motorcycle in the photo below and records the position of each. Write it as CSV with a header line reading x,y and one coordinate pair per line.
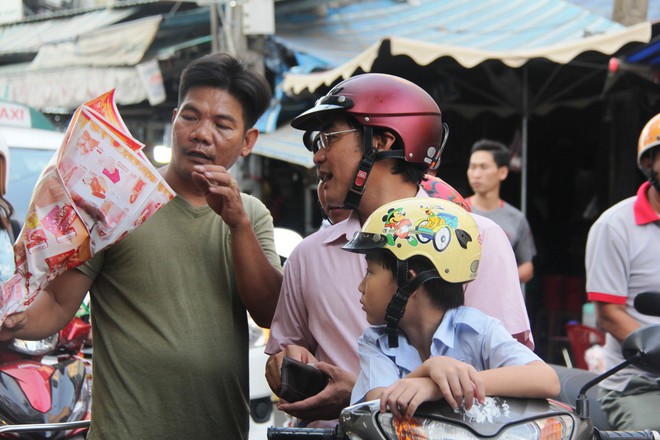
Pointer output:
x,y
502,418
45,386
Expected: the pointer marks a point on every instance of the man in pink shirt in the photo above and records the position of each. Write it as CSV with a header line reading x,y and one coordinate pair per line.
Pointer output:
x,y
389,132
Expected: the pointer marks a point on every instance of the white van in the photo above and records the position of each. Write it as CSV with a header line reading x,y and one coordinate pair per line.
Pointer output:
x,y
32,141
30,150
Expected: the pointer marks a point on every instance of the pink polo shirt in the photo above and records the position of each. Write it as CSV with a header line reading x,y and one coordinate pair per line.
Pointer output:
x,y
319,306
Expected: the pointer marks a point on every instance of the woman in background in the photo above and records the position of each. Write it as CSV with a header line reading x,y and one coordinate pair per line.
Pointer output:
x,y
7,265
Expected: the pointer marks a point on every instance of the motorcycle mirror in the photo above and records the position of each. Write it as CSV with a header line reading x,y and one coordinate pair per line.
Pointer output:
x,y
645,344
641,348
648,303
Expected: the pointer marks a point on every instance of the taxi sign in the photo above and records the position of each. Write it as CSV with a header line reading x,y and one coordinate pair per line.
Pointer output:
x,y
13,114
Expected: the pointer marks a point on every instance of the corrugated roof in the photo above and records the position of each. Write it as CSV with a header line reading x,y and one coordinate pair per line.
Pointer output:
x,y
81,56
470,31
122,44
29,37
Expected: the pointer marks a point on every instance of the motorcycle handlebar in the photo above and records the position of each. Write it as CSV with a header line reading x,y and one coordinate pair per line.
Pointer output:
x,y
43,427
646,434
282,433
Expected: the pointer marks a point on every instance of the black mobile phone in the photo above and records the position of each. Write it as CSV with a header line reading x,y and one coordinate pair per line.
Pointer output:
x,y
300,380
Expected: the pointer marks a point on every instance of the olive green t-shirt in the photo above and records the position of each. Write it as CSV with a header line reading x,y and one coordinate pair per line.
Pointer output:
x,y
170,332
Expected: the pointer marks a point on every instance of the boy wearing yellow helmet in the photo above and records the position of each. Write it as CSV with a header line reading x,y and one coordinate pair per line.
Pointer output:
x,y
412,294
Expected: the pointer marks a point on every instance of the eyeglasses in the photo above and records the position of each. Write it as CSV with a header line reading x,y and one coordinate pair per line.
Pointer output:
x,y
322,139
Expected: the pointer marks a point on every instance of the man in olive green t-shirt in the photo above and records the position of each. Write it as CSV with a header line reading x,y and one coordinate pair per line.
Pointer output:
x,y
169,301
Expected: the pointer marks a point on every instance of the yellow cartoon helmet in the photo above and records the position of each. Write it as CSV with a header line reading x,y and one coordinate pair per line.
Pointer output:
x,y
648,139
437,229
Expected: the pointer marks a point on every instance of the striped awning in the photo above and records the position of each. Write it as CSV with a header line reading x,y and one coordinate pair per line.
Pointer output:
x,y
350,38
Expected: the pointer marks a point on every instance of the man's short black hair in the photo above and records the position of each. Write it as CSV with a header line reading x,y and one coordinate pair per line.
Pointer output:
x,y
500,152
443,295
225,72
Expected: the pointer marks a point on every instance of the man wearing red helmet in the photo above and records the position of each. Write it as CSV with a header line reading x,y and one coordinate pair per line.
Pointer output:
x,y
374,137
623,247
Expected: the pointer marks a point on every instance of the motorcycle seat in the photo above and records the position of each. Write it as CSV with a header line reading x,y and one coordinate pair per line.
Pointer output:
x,y
571,381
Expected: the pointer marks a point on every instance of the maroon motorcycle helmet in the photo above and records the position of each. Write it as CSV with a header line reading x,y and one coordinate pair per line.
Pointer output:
x,y
386,101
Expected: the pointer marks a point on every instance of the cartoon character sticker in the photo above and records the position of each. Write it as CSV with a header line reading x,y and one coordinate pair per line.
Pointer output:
x,y
398,226
439,227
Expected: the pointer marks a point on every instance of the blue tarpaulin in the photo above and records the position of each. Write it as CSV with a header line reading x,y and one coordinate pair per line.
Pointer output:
x,y
348,38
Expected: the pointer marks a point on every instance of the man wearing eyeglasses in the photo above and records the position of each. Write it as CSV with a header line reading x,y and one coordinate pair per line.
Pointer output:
x,y
374,137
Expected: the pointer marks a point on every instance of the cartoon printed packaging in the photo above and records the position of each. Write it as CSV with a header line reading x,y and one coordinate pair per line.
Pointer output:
x,y
98,188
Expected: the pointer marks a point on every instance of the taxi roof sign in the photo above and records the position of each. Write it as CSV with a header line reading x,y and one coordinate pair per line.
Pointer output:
x,y
14,114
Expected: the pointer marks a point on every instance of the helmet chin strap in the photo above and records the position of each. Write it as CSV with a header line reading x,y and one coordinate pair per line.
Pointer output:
x,y
354,195
369,156
652,175
653,180
397,304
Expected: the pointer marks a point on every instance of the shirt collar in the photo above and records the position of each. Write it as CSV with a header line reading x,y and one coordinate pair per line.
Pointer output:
x,y
344,230
406,355
644,212
445,332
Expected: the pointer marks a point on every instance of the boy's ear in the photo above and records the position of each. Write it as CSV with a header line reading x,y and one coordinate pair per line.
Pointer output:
x,y
411,274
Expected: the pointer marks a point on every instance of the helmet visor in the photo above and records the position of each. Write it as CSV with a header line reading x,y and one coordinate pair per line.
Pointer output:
x,y
365,241
317,116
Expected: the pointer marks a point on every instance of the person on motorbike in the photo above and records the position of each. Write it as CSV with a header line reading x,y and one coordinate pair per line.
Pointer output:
x,y
170,299
373,136
622,254
7,265
422,343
